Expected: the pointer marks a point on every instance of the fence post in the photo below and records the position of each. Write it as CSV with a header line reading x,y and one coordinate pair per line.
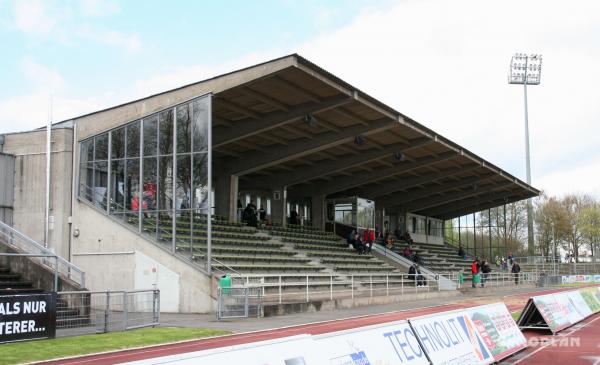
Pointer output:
x,y
246,309
125,310
331,287
56,273
352,285
106,311
387,285
279,289
402,284
154,298
371,286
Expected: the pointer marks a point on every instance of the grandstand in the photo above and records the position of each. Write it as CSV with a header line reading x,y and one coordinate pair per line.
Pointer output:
x,y
150,192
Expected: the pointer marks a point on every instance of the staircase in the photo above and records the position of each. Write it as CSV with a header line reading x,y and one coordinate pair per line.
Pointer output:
x,y
13,283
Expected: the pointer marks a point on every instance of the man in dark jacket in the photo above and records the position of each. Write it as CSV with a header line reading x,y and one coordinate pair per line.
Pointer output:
x,y
414,273
516,269
485,270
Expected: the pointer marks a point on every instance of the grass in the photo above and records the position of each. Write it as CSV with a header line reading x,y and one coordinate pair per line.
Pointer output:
x,y
21,352
516,315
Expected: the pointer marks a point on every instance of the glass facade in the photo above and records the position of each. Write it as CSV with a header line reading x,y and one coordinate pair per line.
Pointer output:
x,y
153,173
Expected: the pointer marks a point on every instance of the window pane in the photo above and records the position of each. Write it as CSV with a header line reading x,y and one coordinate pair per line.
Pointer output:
x,y
118,143
184,128
150,135
150,224
133,139
184,182
86,176
165,183
165,135
101,149
87,151
132,174
150,184
100,183
200,181
117,186
200,123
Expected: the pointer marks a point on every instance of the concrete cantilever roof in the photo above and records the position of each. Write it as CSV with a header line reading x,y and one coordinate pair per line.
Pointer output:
x,y
297,128
288,122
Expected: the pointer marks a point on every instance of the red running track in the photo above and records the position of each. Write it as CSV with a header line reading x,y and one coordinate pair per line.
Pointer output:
x,y
237,339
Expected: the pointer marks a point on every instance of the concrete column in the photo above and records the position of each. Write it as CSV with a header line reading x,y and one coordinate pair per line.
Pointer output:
x,y
226,196
318,211
279,205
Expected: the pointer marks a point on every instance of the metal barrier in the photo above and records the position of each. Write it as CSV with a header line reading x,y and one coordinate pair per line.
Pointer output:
x,y
293,288
239,302
25,246
81,312
498,279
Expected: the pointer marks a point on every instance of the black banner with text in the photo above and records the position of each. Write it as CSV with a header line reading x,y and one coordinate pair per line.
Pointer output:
x,y
27,316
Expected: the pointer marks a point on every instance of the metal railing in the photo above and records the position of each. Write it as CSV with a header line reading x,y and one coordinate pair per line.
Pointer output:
x,y
443,282
497,279
239,302
81,312
294,288
25,246
556,266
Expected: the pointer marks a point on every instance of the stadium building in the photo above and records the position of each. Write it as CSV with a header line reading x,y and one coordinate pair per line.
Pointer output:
x,y
132,185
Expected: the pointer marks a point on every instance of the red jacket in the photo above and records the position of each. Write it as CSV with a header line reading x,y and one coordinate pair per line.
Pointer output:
x,y
369,236
474,268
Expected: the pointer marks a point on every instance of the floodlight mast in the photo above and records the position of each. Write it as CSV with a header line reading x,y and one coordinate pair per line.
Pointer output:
x,y
526,69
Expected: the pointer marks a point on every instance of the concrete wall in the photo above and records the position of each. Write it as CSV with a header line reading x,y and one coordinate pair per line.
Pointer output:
x,y
29,150
107,250
7,176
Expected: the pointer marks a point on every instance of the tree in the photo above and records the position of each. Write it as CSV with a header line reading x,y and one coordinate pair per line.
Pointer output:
x,y
589,225
552,224
573,206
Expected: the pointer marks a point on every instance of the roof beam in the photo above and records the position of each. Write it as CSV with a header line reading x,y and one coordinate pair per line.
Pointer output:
x,y
483,206
265,99
339,164
298,148
345,184
448,198
247,127
411,196
237,108
394,186
455,207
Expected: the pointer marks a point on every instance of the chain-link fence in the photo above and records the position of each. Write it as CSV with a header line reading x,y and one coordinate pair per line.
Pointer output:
x,y
241,302
84,312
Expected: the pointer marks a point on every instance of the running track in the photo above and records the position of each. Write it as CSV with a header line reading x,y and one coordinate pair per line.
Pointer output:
x,y
539,355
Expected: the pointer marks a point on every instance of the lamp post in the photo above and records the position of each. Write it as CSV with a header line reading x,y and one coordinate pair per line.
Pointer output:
x,y
526,70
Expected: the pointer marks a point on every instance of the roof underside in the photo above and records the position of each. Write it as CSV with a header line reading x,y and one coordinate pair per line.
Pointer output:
x,y
261,133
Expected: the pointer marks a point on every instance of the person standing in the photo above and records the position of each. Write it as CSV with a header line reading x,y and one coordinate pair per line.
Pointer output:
x,y
516,269
485,270
368,239
474,272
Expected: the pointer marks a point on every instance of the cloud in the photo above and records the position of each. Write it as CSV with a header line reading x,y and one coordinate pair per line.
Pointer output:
x,y
32,17
97,8
131,43
581,178
42,77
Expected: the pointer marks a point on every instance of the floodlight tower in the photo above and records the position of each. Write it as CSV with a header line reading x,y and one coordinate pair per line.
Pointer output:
x,y
526,70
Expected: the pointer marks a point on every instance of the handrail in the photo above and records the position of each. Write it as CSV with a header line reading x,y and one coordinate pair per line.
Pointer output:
x,y
431,275
27,246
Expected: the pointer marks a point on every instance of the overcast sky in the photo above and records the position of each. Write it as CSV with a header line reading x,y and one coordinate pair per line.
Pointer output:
x,y
442,63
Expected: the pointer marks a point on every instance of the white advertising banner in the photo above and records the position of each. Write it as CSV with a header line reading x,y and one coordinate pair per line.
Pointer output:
x,y
451,338
295,350
567,308
580,305
498,329
390,343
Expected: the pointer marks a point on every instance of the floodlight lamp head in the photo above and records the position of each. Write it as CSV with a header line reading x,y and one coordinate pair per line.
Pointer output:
x,y
399,156
310,120
360,140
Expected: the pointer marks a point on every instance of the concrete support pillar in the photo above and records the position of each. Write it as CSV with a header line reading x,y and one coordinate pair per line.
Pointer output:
x,y
226,196
318,211
279,205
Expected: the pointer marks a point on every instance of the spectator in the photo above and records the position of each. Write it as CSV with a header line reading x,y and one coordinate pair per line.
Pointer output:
x,y
474,272
262,213
398,233
294,217
485,270
389,241
359,246
407,252
406,237
504,264
368,239
350,238
414,273
416,258
249,215
461,251
510,258
516,269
